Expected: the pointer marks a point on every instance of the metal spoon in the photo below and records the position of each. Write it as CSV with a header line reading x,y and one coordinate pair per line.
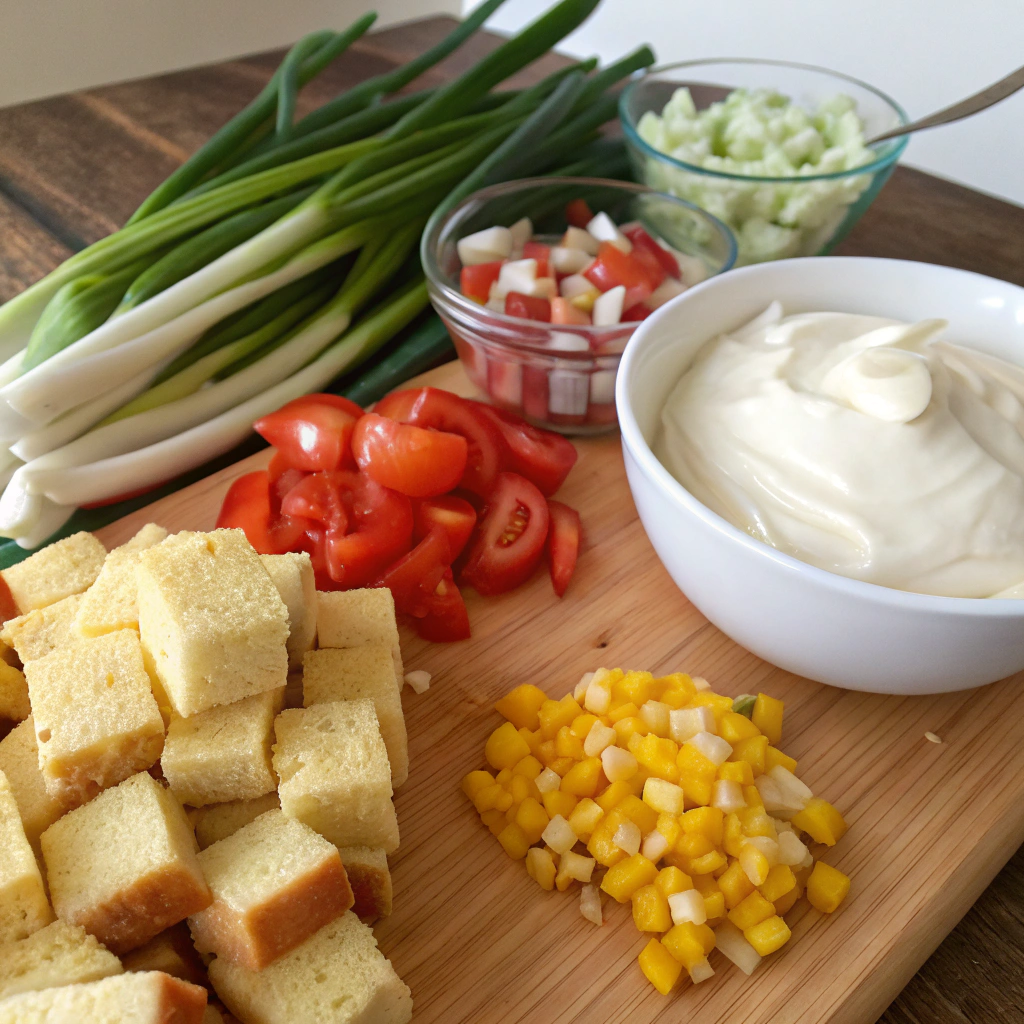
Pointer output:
x,y
979,101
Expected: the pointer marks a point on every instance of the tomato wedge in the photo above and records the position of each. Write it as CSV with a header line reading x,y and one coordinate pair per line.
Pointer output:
x,y
282,479
475,281
450,513
563,544
614,267
414,578
542,456
578,213
528,307
313,432
510,538
411,460
642,240
432,407
247,507
447,619
319,497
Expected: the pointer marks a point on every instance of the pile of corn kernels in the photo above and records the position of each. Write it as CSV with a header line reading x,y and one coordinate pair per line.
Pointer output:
x,y
662,793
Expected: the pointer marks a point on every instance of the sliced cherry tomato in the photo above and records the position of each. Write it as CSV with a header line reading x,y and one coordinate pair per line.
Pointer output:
x,y
540,252
542,456
432,407
614,267
654,267
563,544
412,460
642,240
282,479
510,538
447,618
247,507
578,213
313,432
635,313
450,513
636,295
319,497
528,307
414,578
476,281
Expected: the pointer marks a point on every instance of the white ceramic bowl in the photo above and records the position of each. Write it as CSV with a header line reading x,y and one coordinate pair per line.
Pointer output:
x,y
807,620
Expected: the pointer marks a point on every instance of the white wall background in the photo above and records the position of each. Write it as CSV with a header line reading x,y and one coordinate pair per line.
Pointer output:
x,y
926,54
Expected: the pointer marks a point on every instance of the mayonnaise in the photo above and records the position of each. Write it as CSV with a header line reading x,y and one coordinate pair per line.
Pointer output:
x,y
860,445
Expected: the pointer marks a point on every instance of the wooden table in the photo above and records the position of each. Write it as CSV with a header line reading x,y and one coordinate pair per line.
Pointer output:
x,y
73,168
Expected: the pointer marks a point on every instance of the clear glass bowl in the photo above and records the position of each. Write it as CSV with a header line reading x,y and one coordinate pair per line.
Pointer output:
x,y
772,217
556,376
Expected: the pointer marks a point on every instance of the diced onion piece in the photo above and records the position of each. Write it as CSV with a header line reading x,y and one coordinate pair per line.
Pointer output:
x,y
791,850
768,846
664,797
619,765
608,307
418,680
790,785
730,942
568,391
599,693
727,796
559,835
627,837
684,723
655,846
714,748
570,261
654,714
545,288
602,387
575,285
581,687
540,866
700,683
668,289
517,276
521,232
575,866
590,904
485,246
604,229
577,238
548,781
774,800
599,737
687,906
564,341
701,971
693,269
807,861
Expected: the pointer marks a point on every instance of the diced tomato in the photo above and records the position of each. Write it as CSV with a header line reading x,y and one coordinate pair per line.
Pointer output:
x,y
578,213
313,432
283,477
510,538
432,407
414,578
476,281
453,514
637,312
563,544
528,307
535,392
614,267
447,619
542,254
636,295
564,312
247,507
319,497
542,456
8,606
412,460
654,268
642,240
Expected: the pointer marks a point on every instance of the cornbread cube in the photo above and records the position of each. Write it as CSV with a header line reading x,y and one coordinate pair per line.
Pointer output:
x,y
349,673
292,574
14,702
150,998
370,878
124,865
218,821
293,690
335,774
19,761
112,602
23,905
59,954
351,618
67,567
37,633
96,719
211,619
274,882
171,952
224,753
338,976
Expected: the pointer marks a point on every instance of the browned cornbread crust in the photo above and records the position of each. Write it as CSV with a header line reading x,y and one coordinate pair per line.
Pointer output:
x,y
171,952
370,878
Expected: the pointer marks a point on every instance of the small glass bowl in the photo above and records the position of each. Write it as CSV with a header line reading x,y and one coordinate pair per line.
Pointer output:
x,y
772,217
556,376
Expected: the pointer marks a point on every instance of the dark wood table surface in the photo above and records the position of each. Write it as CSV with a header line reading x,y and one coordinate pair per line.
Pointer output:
x,y
73,168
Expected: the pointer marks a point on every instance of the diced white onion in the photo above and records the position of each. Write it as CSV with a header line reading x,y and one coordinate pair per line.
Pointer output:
x,y
518,276
581,687
418,680
548,781
790,785
684,723
627,837
570,261
668,289
604,229
655,846
577,238
700,683
599,737
521,232
565,341
545,288
619,765
701,971
733,946
768,846
590,904
485,246
608,307
654,714
714,748
687,906
602,387
599,693
575,285
727,796
791,850
559,835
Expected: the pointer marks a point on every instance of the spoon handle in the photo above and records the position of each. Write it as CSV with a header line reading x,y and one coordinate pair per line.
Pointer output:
x,y
965,108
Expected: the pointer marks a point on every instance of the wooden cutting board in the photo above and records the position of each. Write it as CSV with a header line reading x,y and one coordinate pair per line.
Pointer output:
x,y
478,941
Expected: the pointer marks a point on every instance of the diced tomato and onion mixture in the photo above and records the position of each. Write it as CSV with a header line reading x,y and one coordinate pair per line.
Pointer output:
x,y
427,491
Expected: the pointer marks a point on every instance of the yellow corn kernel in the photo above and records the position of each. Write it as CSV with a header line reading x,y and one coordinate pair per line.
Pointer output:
x,y
784,904
697,775
519,787
735,727
827,887
675,697
639,780
664,797
753,751
689,943
558,802
504,778
540,866
750,911
510,814
561,765
780,881
532,819
656,754
714,905
767,716
716,701
668,825
568,744
514,841
495,820
505,747
553,714
634,688
671,880
769,935
532,739
693,844
613,795
585,817
774,757
705,821
643,816
660,968
582,725
621,711
492,798
476,781
529,767
573,867
736,771
733,837
626,728
650,909
735,885
522,705
674,681
821,821
705,884
755,863
545,752
602,845
709,862
583,779
753,797
757,823
623,879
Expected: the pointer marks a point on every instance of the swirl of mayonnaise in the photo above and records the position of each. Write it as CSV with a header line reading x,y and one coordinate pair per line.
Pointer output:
x,y
860,445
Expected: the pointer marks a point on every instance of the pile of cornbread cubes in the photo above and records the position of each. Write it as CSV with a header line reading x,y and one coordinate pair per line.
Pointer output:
x,y
197,794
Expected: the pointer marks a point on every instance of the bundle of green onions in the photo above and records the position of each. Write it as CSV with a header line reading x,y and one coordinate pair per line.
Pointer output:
x,y
280,256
